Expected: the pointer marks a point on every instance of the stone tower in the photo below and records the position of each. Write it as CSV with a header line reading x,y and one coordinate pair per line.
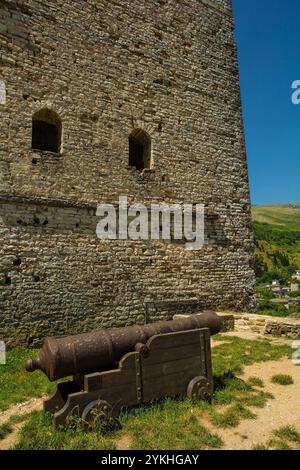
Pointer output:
x,y
103,98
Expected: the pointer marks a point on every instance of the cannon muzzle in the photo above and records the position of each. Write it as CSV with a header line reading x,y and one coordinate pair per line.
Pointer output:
x,y
100,350
33,364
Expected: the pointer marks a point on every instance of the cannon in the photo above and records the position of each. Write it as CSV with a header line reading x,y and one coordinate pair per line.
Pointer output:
x,y
123,367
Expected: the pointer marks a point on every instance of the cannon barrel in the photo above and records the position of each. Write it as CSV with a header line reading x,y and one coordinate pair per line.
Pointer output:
x,y
98,350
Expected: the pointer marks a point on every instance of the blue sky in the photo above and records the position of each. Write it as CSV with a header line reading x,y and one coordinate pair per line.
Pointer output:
x,y
268,39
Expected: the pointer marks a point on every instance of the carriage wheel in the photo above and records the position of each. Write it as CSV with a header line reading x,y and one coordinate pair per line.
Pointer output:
x,y
200,388
99,414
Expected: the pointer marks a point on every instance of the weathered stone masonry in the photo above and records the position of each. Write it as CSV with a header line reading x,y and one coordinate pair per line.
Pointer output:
x,y
108,68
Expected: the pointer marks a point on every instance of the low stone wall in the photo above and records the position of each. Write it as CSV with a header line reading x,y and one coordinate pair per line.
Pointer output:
x,y
266,325
289,328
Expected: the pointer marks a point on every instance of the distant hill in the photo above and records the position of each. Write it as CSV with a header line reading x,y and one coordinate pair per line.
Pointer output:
x,y
286,216
277,241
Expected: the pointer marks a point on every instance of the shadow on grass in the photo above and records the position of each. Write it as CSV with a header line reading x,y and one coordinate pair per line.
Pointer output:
x,y
221,381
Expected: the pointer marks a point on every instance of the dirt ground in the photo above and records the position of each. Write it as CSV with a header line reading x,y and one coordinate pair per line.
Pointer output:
x,y
11,439
284,410
19,409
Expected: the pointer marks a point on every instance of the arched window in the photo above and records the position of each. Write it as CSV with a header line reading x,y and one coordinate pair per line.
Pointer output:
x,y
46,131
139,149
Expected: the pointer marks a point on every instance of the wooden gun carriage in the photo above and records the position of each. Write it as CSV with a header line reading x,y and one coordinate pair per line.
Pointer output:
x,y
173,362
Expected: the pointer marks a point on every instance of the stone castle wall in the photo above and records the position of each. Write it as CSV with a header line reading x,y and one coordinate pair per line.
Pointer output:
x,y
106,68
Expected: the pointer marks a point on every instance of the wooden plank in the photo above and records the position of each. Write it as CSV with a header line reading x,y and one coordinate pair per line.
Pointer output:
x,y
209,371
164,368
122,395
178,377
111,379
172,354
114,378
167,386
180,338
92,382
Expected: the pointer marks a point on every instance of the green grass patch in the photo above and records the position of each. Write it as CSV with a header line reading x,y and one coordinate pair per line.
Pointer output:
x,y
259,447
5,429
283,217
282,440
278,444
16,385
235,353
257,400
288,433
39,434
171,424
256,382
282,379
230,389
270,311
232,416
273,444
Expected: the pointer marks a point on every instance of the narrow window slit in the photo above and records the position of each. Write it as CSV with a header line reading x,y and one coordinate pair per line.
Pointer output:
x,y
139,150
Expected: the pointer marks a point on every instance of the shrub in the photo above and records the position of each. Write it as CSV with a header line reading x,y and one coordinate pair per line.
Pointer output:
x,y
282,379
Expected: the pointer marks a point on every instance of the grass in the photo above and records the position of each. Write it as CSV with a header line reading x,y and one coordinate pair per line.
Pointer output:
x,y
240,395
282,439
162,426
232,416
288,433
282,216
235,353
282,379
5,429
8,427
15,383
273,444
256,382
38,434
230,389
170,424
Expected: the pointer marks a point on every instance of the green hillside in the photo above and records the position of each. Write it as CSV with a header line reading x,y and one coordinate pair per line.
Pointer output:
x,y
283,216
277,241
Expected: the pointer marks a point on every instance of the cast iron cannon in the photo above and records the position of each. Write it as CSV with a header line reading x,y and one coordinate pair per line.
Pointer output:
x,y
122,367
